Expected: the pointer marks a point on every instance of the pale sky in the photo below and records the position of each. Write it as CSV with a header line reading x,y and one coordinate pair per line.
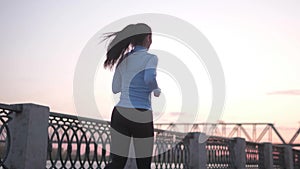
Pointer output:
x,y
258,44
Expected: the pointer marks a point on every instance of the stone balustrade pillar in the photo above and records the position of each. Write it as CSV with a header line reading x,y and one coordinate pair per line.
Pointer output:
x,y
29,137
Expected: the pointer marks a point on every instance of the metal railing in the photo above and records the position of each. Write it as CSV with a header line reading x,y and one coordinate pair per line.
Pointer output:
x,y
278,157
5,138
296,159
77,142
219,153
254,155
171,150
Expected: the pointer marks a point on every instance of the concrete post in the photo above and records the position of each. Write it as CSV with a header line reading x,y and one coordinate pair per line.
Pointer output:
x,y
239,148
288,157
197,145
29,138
268,155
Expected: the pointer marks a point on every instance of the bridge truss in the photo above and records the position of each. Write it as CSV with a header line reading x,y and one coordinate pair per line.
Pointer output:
x,y
254,132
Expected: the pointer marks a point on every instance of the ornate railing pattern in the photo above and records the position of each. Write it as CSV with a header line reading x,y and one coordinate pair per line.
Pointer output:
x,y
296,158
77,142
5,139
171,150
278,157
254,155
84,143
219,153
4,136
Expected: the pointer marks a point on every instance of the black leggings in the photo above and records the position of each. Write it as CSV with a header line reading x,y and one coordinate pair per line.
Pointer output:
x,y
127,123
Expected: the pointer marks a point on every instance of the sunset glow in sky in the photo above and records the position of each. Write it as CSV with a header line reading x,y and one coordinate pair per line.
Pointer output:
x,y
257,42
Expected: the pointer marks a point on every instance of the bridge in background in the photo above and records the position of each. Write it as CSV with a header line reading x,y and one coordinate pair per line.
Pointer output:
x,y
254,132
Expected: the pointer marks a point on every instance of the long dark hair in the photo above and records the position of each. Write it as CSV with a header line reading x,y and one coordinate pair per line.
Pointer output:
x,y
133,34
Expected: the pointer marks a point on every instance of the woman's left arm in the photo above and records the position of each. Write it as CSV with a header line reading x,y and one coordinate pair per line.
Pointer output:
x,y
150,75
117,82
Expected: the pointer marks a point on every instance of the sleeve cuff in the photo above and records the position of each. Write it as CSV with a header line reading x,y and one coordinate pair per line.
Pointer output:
x,y
157,91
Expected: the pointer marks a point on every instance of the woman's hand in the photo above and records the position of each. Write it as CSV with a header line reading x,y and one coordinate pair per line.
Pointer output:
x,y
157,92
